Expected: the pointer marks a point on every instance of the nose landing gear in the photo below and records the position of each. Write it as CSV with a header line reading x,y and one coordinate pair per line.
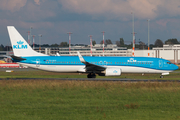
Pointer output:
x,y
161,76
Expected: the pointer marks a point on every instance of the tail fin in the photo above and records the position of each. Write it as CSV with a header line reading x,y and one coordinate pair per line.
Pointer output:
x,y
20,47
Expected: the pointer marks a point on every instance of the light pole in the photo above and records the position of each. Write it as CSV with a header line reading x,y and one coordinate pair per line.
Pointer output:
x,y
103,41
148,37
30,35
40,35
133,46
90,44
33,42
69,42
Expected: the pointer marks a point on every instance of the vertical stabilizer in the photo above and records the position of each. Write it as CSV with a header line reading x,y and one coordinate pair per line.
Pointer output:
x,y
20,47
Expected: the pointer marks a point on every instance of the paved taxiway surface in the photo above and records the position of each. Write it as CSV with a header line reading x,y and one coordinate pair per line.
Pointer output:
x,y
80,79
92,79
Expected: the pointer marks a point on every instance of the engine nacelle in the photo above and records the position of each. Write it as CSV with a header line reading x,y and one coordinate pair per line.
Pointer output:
x,y
112,72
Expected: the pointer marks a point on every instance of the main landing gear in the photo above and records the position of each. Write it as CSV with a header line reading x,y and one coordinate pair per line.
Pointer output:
x,y
161,76
91,75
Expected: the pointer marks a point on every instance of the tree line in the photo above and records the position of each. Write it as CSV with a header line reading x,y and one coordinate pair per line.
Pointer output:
x,y
141,45
120,43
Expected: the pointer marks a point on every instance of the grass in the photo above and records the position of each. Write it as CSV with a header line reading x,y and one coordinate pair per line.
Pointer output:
x,y
40,74
67,100
90,100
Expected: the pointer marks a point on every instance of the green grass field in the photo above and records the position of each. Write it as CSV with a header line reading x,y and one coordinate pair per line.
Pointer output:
x,y
87,100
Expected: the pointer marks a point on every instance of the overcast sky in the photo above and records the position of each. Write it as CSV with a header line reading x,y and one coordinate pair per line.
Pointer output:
x,y
54,18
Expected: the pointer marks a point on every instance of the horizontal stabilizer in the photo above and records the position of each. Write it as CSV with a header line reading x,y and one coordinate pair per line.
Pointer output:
x,y
17,58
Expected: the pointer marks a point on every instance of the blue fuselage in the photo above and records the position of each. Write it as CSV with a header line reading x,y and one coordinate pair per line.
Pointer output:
x,y
126,64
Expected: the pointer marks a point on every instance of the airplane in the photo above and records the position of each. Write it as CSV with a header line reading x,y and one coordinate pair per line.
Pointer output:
x,y
100,65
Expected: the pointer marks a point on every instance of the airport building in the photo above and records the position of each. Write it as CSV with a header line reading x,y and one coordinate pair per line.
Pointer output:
x,y
85,50
169,52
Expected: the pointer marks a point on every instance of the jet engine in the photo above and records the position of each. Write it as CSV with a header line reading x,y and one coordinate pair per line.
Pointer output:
x,y
111,72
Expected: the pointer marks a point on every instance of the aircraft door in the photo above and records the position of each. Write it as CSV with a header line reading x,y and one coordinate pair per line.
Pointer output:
x,y
37,62
160,63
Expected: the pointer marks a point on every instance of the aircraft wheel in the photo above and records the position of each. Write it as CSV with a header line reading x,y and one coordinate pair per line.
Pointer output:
x,y
89,75
161,76
93,75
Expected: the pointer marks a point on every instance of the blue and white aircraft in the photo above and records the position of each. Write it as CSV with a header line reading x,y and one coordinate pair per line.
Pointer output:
x,y
103,66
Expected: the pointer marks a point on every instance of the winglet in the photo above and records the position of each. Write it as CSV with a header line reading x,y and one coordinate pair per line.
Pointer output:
x,y
80,57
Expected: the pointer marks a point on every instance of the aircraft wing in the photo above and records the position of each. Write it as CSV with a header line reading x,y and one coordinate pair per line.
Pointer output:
x,y
90,66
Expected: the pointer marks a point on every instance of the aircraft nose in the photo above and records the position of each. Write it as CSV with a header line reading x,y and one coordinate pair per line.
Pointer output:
x,y
175,67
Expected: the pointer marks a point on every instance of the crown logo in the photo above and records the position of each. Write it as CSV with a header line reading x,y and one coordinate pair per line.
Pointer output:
x,y
115,71
20,42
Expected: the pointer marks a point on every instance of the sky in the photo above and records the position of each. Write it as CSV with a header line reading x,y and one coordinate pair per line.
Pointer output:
x,y
54,18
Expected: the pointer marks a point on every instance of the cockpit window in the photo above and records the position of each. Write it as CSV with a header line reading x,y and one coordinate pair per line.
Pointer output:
x,y
169,63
